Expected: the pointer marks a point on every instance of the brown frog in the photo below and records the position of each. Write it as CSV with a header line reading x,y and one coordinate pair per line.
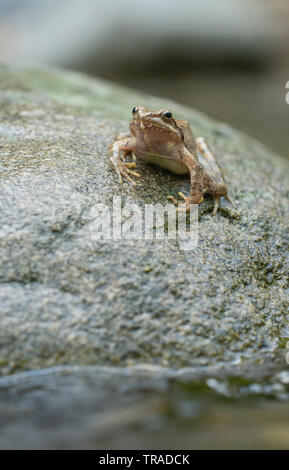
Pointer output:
x,y
158,138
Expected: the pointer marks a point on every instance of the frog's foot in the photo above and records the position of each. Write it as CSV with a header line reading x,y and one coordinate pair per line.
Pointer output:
x,y
217,203
120,148
123,169
188,202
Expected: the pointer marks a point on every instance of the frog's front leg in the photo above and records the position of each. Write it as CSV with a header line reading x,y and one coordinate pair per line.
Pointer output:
x,y
123,169
196,180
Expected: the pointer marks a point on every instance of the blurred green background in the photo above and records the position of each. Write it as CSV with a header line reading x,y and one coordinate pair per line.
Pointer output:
x,y
228,58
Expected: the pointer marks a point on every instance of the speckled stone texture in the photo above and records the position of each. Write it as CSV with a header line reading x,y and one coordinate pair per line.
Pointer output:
x,y
68,299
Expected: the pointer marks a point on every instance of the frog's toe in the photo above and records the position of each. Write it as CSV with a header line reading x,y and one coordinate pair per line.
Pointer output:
x,y
116,168
126,172
173,199
126,176
189,201
127,169
123,170
185,198
185,207
216,205
230,200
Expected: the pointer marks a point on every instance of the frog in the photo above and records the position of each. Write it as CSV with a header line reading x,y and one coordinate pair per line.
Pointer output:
x,y
159,139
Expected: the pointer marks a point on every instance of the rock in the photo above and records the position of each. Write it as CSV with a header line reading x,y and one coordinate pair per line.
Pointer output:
x,y
67,298
116,408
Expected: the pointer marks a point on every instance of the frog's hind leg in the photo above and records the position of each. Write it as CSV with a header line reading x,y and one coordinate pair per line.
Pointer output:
x,y
214,180
123,169
216,204
197,182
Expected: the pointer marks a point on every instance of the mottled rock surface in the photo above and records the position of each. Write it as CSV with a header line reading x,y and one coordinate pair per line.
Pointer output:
x,y
68,299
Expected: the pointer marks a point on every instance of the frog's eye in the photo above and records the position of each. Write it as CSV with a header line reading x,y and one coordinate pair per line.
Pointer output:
x,y
167,114
134,110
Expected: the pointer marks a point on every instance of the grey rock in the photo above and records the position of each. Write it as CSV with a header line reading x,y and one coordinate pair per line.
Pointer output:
x,y
68,299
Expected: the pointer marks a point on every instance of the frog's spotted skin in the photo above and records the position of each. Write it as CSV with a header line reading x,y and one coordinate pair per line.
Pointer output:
x,y
158,138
